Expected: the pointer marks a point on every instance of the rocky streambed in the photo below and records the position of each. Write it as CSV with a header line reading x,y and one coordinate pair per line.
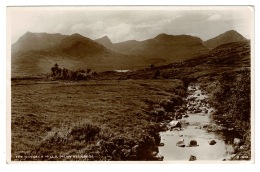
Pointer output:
x,y
190,135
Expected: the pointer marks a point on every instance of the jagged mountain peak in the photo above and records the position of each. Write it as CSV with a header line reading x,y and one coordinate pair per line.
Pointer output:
x,y
106,42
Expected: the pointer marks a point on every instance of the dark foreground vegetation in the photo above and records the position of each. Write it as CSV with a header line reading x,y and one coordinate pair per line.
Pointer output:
x,y
117,116
230,95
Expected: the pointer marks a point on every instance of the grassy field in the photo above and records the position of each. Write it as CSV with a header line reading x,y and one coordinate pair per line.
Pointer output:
x,y
117,116
103,120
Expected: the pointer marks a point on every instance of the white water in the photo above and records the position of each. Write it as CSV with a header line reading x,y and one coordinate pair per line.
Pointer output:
x,y
194,131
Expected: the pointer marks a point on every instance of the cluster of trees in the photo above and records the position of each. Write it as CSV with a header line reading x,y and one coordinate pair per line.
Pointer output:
x,y
67,74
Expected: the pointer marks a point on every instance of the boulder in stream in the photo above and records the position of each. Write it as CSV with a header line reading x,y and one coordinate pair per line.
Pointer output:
x,y
205,111
185,116
237,141
212,142
198,111
179,116
159,157
193,143
175,124
180,143
161,144
192,158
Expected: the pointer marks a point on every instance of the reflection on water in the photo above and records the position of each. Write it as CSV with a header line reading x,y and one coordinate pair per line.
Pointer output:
x,y
121,71
195,131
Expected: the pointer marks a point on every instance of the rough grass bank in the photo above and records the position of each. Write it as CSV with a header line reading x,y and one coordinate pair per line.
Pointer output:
x,y
90,120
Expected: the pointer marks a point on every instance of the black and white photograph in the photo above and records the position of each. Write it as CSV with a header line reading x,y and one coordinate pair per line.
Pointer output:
x,y
130,83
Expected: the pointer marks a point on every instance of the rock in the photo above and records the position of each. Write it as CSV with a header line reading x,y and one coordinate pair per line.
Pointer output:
x,y
167,105
135,148
118,141
197,111
126,152
163,125
193,143
237,141
212,142
236,149
158,112
175,129
243,147
175,124
114,152
185,116
180,143
178,116
161,144
99,143
232,156
159,157
192,158
169,114
154,153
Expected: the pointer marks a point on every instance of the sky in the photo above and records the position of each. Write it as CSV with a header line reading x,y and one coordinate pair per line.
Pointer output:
x,y
131,23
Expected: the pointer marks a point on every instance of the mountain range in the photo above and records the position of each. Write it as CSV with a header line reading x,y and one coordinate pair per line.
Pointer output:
x,y
36,53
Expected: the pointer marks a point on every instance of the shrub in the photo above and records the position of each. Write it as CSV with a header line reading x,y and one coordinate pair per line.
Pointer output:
x,y
156,74
83,131
80,74
168,105
176,100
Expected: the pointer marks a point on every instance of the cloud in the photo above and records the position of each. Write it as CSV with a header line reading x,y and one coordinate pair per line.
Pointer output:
x,y
60,28
120,25
121,31
215,17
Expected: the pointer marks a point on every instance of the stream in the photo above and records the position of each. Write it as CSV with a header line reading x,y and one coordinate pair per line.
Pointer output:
x,y
194,125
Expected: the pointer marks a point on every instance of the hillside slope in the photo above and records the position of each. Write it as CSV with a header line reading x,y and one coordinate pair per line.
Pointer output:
x,y
229,36
163,48
37,41
73,52
106,42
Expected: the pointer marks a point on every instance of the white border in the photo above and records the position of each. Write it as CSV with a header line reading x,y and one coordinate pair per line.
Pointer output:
x,y
124,166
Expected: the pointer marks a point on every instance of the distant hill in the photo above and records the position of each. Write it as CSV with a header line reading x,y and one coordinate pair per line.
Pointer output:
x,y
78,45
106,42
164,47
72,52
167,48
160,50
37,41
124,47
229,36
233,56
